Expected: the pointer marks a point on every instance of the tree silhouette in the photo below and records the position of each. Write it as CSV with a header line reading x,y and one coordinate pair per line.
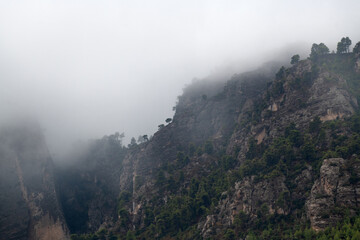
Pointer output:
x,y
344,45
357,48
318,49
295,59
143,138
132,142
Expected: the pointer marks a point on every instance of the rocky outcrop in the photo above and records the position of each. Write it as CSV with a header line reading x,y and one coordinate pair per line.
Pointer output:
x,y
29,204
252,197
253,108
301,93
335,193
247,108
305,92
201,115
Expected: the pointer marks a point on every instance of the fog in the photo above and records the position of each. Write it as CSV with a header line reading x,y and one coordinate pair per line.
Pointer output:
x,y
87,68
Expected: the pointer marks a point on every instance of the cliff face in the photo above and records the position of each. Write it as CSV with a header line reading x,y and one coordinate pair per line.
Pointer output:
x,y
29,205
265,149
298,95
251,109
89,187
301,93
249,196
200,116
336,189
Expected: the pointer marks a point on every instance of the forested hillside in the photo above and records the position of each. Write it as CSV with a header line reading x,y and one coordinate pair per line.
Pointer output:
x,y
273,154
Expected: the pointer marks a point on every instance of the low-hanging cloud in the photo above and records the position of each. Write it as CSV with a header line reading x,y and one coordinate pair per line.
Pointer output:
x,y
89,68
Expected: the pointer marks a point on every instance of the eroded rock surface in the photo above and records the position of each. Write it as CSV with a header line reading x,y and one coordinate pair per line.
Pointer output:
x,y
334,193
252,198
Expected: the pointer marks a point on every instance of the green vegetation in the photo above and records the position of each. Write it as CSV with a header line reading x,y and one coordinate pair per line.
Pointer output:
x,y
286,156
102,234
318,50
183,197
295,59
344,45
182,211
348,229
290,152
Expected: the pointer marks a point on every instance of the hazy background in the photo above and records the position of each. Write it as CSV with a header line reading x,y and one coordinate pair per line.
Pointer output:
x,y
87,68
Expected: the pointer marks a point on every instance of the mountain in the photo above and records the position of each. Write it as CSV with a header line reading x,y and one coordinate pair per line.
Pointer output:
x,y
29,205
268,154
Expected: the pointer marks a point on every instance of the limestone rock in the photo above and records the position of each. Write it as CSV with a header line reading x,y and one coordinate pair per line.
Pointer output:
x,y
333,193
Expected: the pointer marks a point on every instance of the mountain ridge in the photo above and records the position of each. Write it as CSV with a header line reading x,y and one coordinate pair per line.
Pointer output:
x,y
271,154
228,136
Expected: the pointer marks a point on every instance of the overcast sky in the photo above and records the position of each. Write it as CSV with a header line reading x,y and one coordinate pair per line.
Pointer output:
x,y
87,68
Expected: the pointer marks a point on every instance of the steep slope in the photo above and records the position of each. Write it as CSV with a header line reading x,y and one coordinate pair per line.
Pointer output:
x,y
265,150
89,186
282,150
200,119
241,121
85,185
338,187
29,205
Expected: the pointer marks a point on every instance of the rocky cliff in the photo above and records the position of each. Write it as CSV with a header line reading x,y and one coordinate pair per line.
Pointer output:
x,y
29,205
89,187
249,120
267,152
336,190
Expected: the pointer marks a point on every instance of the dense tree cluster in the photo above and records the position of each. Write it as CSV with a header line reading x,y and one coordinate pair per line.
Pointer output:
x,y
321,49
344,45
295,59
318,50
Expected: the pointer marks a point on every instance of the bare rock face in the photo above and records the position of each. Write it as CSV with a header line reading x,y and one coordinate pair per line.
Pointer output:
x,y
252,197
29,206
304,93
334,191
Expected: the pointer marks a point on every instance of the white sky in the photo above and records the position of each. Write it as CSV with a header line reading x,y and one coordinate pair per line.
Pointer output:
x,y
87,68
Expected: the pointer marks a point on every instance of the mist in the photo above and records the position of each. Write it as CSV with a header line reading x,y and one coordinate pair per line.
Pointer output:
x,y
85,69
